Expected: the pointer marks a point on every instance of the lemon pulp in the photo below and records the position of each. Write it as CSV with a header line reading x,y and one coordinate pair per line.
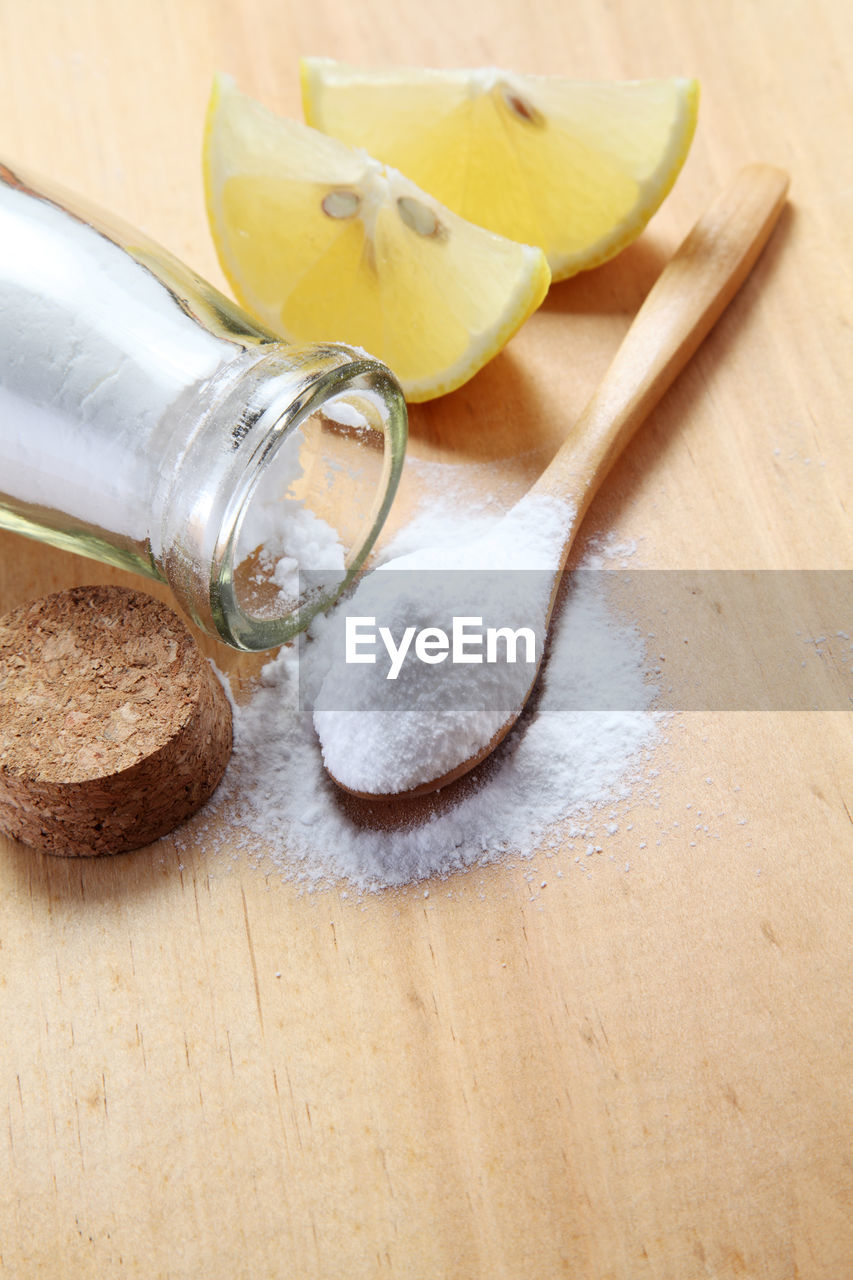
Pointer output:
x,y
324,243
576,167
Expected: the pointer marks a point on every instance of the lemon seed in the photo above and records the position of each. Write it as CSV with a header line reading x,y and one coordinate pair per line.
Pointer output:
x,y
522,108
341,204
418,216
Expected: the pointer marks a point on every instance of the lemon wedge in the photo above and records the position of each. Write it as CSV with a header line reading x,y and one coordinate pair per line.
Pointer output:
x,y
576,167
324,243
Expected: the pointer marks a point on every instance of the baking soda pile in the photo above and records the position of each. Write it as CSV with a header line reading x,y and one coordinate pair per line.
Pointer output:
x,y
560,763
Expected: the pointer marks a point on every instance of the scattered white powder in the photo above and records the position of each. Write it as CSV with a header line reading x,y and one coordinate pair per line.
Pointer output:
x,y
536,792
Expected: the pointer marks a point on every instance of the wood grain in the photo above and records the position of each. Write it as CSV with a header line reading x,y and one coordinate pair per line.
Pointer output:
x,y
603,1074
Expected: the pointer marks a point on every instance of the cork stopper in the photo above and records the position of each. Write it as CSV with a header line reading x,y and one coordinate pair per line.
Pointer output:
x,y
113,727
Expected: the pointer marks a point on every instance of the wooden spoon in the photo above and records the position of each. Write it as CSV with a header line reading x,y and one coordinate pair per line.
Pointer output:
x,y
681,308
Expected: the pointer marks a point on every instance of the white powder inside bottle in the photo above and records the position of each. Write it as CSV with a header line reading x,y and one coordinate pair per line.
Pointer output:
x,y
86,378
290,536
96,356
538,791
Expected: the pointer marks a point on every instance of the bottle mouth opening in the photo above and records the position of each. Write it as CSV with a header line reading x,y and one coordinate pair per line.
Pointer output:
x,y
309,508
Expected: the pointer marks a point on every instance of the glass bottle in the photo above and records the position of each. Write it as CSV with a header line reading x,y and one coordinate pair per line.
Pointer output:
x,y
148,422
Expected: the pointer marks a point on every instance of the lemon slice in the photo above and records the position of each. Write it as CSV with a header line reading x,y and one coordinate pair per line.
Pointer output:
x,y
324,243
577,167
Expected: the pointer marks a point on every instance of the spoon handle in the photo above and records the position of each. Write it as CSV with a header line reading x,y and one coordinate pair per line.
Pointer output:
x,y
683,305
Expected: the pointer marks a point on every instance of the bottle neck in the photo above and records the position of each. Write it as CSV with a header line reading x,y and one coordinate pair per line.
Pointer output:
x,y
275,488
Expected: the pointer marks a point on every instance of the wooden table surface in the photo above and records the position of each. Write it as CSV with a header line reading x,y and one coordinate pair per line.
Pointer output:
x,y
642,1075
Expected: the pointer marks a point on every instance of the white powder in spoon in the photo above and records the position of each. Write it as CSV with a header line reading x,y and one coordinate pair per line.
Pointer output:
x,y
387,727
566,756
